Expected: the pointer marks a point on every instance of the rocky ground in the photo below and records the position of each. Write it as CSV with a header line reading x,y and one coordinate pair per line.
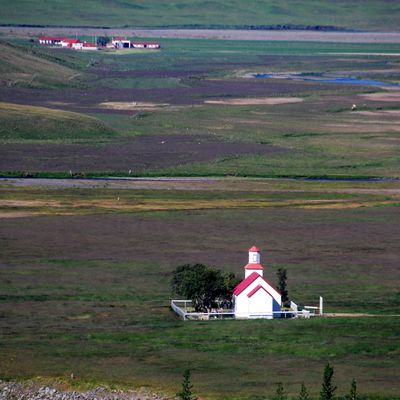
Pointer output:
x,y
29,391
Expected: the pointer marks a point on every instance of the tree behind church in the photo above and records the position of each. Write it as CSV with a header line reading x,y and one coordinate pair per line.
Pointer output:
x,y
203,285
282,285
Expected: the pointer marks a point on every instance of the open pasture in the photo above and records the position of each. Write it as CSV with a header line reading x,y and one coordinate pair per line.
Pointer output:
x,y
85,284
189,110
85,265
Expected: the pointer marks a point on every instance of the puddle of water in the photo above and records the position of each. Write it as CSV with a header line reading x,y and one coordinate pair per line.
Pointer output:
x,y
319,77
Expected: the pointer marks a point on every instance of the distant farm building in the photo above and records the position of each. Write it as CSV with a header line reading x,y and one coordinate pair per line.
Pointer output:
x,y
119,42
84,46
145,45
70,43
254,297
50,41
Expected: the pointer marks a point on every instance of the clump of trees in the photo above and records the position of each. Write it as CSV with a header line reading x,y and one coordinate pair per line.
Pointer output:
x,y
206,286
102,40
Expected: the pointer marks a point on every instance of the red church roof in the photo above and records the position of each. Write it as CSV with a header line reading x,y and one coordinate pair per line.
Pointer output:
x,y
254,248
245,283
253,266
256,289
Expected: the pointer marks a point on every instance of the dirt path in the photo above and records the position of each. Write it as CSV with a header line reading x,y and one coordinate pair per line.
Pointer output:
x,y
355,315
227,34
181,183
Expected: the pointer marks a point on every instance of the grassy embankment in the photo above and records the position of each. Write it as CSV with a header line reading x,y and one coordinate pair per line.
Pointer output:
x,y
28,123
371,14
87,291
27,66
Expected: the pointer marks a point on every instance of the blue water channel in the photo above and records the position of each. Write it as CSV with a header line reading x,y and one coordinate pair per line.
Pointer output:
x,y
319,77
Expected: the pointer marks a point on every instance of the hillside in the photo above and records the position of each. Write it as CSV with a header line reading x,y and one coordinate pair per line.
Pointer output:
x,y
39,123
28,67
368,14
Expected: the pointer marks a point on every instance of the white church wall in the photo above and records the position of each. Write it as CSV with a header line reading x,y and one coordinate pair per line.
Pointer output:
x,y
258,299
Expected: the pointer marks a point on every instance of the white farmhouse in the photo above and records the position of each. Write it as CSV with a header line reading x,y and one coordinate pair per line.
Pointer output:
x,y
254,297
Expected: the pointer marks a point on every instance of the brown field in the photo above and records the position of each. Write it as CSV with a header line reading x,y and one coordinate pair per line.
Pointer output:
x,y
134,154
318,246
367,239
90,100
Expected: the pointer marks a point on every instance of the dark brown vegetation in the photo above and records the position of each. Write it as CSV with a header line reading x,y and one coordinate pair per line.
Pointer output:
x,y
194,92
135,154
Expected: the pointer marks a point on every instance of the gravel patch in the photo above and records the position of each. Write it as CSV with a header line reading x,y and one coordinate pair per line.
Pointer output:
x,y
28,391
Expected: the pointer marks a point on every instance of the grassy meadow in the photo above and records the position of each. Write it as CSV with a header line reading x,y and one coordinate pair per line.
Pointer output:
x,y
39,123
85,264
28,66
370,14
167,97
85,284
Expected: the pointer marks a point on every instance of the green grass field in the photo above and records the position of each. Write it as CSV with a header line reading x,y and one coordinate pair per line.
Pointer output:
x,y
29,123
85,285
216,58
85,266
27,66
312,132
371,14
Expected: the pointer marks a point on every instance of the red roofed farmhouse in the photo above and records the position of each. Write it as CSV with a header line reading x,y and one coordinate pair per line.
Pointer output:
x,y
254,297
69,42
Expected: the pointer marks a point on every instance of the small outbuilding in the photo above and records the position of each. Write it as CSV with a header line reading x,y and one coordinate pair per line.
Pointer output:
x,y
50,40
254,297
145,45
120,42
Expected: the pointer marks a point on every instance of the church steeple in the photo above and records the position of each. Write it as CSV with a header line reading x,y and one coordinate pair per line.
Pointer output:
x,y
254,264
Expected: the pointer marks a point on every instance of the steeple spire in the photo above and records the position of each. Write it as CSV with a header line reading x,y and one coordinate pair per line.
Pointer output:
x,y
254,264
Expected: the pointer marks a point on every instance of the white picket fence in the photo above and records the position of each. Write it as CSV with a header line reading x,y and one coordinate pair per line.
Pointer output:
x,y
183,309
185,312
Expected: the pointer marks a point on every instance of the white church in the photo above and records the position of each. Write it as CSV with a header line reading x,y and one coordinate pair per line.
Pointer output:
x,y
254,297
